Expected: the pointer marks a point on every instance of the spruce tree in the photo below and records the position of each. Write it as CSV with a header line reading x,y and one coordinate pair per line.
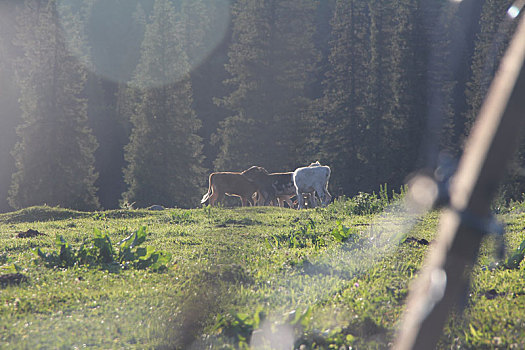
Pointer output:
x,y
493,38
496,30
206,33
9,96
164,153
54,155
438,24
114,31
372,101
271,60
393,102
449,28
342,106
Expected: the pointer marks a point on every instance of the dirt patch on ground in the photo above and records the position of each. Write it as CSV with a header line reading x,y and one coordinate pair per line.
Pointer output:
x,y
421,241
29,233
238,223
492,294
12,279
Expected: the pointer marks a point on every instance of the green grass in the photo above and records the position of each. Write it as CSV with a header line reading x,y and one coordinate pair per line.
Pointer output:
x,y
322,278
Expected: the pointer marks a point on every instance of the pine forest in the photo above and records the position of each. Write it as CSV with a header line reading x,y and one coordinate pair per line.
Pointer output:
x,y
106,103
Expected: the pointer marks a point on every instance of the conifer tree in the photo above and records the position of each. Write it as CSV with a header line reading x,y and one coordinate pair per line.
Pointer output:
x,y
370,106
393,112
496,29
206,33
493,38
114,31
9,96
344,120
440,22
54,155
271,59
164,154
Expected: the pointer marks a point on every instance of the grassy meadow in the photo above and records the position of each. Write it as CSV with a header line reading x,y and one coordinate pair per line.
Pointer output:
x,y
259,277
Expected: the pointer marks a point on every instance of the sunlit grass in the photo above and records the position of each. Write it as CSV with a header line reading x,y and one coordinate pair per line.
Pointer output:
x,y
235,264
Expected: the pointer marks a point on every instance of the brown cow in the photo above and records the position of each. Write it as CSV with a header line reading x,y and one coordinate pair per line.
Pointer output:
x,y
274,186
231,184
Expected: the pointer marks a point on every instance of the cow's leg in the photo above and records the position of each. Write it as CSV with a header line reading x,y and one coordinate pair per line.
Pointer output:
x,y
252,200
256,198
267,199
321,196
263,198
327,197
214,196
245,200
287,200
300,200
324,195
312,201
220,198
276,201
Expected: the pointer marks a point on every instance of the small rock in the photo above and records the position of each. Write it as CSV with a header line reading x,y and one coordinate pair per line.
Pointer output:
x,y
156,207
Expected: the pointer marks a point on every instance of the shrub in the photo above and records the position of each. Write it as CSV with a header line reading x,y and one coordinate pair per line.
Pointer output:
x,y
98,251
514,261
341,233
366,203
302,237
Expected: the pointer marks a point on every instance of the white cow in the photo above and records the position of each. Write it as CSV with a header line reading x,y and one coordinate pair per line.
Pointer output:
x,y
310,179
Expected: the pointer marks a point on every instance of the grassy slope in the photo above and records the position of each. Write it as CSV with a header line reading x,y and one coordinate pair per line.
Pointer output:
x,y
231,266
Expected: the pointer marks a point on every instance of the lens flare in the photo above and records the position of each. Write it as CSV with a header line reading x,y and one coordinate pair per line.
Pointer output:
x,y
515,9
111,42
378,238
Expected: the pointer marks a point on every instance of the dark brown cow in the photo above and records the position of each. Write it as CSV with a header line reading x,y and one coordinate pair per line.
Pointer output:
x,y
274,186
231,184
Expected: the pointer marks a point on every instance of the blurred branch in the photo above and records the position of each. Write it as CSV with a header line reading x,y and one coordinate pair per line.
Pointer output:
x,y
445,279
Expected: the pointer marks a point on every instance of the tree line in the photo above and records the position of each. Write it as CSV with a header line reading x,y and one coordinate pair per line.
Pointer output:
x,y
108,102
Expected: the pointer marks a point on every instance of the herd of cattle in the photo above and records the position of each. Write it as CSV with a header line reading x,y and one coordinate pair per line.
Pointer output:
x,y
255,186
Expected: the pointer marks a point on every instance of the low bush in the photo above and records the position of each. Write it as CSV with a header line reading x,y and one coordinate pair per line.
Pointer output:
x,y
514,261
341,233
98,251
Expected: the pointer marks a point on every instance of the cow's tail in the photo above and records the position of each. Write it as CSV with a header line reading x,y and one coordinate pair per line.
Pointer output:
x,y
208,194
